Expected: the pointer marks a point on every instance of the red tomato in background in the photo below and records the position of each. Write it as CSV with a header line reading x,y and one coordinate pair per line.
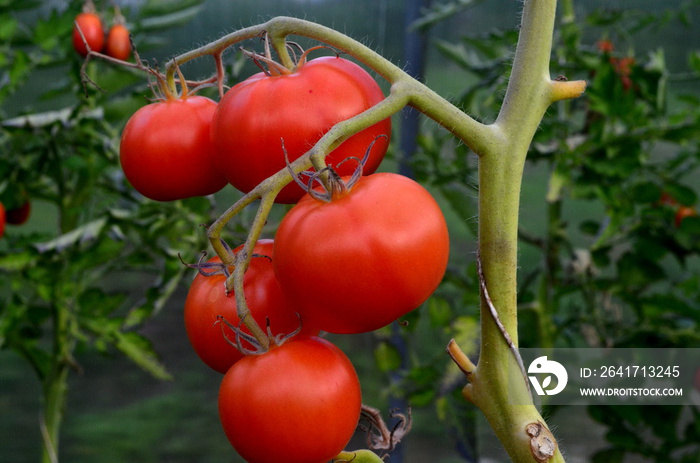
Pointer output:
x,y
2,220
683,213
297,403
166,150
257,114
363,260
19,215
91,26
207,299
118,42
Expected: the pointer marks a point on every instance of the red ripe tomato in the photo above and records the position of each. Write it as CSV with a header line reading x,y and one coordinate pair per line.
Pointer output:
x,y
2,220
166,150
118,42
91,26
257,114
363,260
297,403
207,299
20,215
683,213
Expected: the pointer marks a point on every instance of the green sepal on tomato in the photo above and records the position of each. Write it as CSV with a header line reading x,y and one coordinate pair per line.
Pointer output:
x,y
207,300
166,150
364,259
297,403
258,115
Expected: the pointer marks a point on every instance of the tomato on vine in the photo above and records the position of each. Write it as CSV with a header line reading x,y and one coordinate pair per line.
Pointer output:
x,y
90,24
207,301
683,213
260,115
166,150
20,215
362,260
297,403
118,42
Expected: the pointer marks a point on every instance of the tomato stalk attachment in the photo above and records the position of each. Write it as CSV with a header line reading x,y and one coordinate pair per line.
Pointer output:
x,y
379,435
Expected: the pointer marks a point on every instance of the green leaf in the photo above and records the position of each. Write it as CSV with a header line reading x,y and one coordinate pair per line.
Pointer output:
x,y
439,12
170,20
387,357
633,270
439,311
87,232
455,195
8,26
694,60
681,193
16,261
611,455
646,192
140,351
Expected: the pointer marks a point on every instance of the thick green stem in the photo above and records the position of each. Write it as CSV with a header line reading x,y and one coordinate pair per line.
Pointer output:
x,y
55,381
55,394
530,92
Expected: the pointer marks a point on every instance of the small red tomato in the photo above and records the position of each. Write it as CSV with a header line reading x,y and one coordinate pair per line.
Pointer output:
x,y
683,213
207,299
91,26
118,42
605,46
667,200
166,150
20,215
297,403
2,220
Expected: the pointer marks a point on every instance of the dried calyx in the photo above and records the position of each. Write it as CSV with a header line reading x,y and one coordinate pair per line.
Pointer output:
x,y
329,184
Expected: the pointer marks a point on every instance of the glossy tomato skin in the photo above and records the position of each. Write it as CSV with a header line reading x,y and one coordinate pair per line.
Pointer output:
x,y
91,26
166,151
257,114
361,261
118,42
297,403
207,299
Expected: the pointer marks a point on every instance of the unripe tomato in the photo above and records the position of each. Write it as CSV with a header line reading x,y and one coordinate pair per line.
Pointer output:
x,y
118,42
207,299
297,403
257,115
91,26
166,150
361,261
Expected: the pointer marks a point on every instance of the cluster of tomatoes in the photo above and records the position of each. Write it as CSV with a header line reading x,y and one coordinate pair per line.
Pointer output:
x,y
350,258
89,31
15,216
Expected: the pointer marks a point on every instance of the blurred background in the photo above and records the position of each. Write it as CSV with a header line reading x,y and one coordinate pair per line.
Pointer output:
x,y
117,411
